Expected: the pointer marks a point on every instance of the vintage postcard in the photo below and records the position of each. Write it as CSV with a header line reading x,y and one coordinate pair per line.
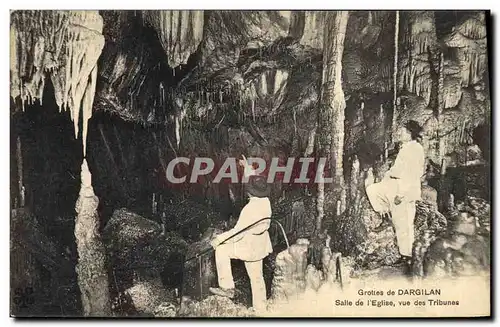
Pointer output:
x,y
250,163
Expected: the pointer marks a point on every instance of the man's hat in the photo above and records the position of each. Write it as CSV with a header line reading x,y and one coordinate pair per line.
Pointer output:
x,y
257,186
414,127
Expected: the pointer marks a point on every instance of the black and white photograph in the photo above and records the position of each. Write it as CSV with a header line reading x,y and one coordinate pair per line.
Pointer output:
x,y
250,163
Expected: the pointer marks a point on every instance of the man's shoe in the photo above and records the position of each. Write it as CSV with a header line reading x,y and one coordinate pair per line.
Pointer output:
x,y
403,260
383,225
408,266
257,311
225,292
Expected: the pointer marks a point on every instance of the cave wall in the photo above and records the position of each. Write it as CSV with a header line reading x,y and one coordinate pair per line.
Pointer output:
x,y
223,83
247,61
170,67
63,46
445,85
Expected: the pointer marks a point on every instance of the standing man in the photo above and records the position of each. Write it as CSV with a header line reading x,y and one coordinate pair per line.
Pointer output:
x,y
251,245
401,187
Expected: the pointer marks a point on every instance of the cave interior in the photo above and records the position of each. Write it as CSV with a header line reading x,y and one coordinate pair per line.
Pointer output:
x,y
137,89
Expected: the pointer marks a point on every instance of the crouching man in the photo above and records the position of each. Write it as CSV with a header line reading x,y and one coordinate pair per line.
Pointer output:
x,y
250,246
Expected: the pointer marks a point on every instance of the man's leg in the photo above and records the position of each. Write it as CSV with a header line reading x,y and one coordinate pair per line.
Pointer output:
x,y
223,255
403,216
259,296
379,196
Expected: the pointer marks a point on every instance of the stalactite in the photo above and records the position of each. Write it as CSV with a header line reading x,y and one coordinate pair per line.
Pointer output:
x,y
310,142
440,106
294,122
63,45
312,33
87,103
320,202
253,109
180,32
20,182
177,131
395,74
469,40
418,34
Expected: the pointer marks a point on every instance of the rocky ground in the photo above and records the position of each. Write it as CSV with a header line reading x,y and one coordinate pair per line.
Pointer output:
x,y
450,247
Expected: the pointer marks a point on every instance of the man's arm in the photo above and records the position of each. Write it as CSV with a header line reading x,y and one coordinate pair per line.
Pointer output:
x,y
397,170
248,169
410,169
244,220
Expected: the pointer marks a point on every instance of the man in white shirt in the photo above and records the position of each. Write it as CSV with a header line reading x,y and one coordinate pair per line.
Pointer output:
x,y
251,246
401,187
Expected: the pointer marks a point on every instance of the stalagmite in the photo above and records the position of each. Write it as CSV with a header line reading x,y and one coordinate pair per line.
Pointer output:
x,y
320,202
289,277
65,46
332,106
263,84
91,268
355,174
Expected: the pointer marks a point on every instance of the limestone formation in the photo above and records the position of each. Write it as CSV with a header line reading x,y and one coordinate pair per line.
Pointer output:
x,y
91,268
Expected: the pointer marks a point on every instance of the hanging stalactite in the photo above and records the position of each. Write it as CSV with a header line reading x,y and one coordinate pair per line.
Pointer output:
x,y
65,46
180,32
20,173
395,74
440,106
418,29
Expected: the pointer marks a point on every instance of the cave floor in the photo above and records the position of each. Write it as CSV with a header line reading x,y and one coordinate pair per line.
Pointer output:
x,y
384,272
